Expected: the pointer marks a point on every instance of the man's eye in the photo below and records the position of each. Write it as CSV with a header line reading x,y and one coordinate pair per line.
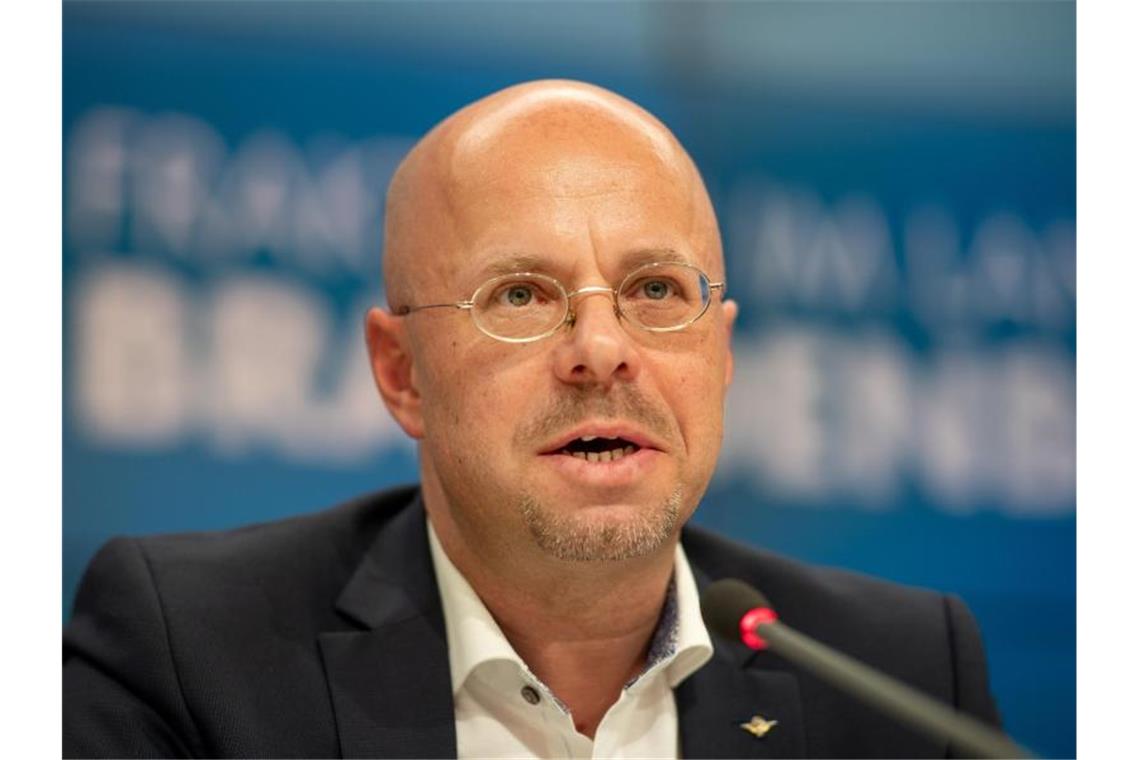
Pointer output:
x,y
517,295
656,290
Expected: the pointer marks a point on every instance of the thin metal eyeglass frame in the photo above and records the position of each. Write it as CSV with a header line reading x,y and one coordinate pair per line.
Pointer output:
x,y
569,317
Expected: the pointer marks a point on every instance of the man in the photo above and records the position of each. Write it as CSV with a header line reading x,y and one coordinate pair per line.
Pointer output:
x,y
558,344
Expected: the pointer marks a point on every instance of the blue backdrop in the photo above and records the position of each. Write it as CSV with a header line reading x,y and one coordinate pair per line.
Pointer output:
x,y
895,184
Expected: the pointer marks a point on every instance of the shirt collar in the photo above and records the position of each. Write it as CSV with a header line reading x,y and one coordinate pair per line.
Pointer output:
x,y
680,645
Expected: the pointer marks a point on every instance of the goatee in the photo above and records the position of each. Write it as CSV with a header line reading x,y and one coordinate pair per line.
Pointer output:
x,y
587,538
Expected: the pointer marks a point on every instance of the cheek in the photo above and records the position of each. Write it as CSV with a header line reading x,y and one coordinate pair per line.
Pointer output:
x,y
695,392
473,403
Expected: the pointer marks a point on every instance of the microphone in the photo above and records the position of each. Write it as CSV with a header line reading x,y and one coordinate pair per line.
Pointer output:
x,y
733,609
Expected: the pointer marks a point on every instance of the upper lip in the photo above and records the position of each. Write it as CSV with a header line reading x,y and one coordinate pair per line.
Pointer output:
x,y
624,430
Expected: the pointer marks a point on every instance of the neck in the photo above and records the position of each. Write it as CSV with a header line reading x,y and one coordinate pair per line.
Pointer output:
x,y
584,628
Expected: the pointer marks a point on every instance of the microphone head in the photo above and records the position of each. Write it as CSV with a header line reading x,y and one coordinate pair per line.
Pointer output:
x,y
725,602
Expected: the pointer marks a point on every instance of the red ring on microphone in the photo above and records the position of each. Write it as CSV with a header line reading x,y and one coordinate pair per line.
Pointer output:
x,y
755,617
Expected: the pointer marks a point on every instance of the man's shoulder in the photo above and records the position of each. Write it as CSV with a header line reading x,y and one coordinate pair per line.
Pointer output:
x,y
163,625
347,528
924,638
293,562
832,604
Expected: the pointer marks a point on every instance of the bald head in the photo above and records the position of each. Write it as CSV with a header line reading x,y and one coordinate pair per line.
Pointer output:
x,y
538,140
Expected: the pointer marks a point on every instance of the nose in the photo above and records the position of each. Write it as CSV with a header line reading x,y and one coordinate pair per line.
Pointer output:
x,y
597,349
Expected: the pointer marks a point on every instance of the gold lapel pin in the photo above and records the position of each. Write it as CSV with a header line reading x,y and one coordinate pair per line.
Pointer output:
x,y
758,727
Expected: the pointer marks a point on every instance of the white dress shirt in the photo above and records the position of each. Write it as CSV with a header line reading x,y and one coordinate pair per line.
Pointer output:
x,y
504,710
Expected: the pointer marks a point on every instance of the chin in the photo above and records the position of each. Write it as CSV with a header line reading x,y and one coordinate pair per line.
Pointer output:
x,y
605,531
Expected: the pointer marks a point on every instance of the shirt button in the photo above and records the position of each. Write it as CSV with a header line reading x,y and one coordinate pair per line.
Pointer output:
x,y
530,695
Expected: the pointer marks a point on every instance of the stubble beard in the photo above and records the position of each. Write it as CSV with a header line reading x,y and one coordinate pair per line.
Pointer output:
x,y
576,538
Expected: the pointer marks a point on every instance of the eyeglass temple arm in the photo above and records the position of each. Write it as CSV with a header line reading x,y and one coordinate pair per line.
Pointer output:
x,y
458,305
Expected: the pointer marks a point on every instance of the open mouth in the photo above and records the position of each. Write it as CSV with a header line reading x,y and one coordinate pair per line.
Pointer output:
x,y
596,448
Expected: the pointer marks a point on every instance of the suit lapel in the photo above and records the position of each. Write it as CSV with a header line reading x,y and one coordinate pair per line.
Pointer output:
x,y
390,680
714,702
733,687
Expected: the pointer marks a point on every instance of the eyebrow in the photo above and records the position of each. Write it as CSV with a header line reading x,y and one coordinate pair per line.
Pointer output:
x,y
519,262
635,258
630,260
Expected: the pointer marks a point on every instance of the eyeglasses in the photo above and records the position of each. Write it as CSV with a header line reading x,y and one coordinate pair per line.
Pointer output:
x,y
526,306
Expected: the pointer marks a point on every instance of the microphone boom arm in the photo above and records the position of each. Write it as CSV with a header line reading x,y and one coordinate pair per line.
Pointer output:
x,y
905,703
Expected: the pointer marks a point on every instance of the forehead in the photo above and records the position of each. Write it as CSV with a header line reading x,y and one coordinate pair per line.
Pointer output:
x,y
568,183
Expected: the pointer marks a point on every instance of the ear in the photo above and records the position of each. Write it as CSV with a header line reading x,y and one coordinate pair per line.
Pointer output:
x,y
393,369
730,310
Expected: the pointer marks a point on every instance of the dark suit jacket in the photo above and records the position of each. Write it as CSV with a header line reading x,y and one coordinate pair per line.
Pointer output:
x,y
323,636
